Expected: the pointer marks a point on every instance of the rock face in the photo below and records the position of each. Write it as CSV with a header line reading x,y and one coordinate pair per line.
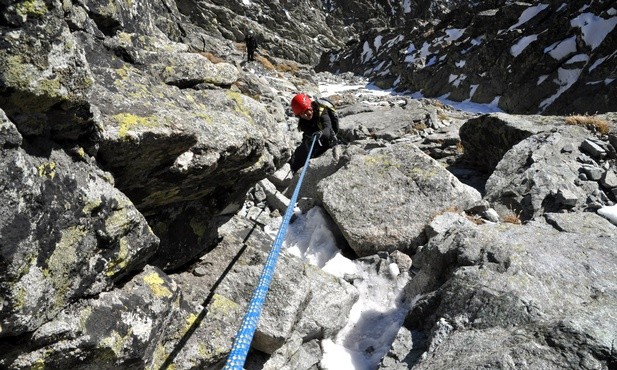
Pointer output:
x,y
535,296
135,144
526,58
397,180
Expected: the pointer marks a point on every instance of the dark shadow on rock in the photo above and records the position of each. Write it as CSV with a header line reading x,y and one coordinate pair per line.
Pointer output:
x,y
168,363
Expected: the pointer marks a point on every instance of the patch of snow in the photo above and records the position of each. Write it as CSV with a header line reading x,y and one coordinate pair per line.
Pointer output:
x,y
380,310
394,41
377,42
410,58
469,106
594,28
578,58
522,43
565,79
474,42
454,34
478,40
367,53
541,79
457,80
424,52
407,6
472,91
527,14
597,63
562,49
609,212
371,89
380,66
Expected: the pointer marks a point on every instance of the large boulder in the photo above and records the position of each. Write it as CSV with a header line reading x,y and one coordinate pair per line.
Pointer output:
x,y
382,200
541,175
543,293
66,232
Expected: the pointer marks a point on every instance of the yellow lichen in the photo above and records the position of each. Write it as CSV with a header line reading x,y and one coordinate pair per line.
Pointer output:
x,y
204,116
424,173
155,283
50,87
125,39
110,9
169,71
84,316
38,364
122,73
198,227
47,170
127,121
160,355
382,161
115,342
190,321
240,107
92,205
20,298
222,304
62,261
35,8
121,261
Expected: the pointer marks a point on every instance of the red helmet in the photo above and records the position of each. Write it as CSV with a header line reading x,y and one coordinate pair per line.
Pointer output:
x,y
300,103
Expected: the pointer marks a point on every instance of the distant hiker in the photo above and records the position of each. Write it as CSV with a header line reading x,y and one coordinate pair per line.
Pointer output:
x,y
313,118
251,45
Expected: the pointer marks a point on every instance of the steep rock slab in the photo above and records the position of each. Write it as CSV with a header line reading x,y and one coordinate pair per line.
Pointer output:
x,y
541,175
110,80
118,329
43,82
505,283
382,200
185,156
303,301
65,231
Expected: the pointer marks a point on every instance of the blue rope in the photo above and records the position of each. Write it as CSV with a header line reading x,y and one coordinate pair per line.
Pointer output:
x,y
244,337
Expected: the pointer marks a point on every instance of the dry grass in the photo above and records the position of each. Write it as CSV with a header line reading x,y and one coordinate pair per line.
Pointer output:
x,y
211,57
421,126
512,218
287,67
590,122
265,62
442,115
451,209
460,149
476,219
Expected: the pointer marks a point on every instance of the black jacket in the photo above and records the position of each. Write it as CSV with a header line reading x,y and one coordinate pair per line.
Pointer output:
x,y
319,122
251,42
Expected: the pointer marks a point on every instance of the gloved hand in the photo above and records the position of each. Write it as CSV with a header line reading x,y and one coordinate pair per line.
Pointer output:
x,y
317,134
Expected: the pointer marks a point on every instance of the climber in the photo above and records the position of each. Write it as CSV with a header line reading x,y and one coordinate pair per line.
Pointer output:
x,y
311,121
251,45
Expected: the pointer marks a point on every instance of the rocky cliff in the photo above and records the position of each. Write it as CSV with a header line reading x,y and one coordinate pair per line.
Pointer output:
x,y
550,57
144,161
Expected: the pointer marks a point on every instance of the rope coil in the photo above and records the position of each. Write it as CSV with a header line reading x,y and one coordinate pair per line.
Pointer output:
x,y
244,337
